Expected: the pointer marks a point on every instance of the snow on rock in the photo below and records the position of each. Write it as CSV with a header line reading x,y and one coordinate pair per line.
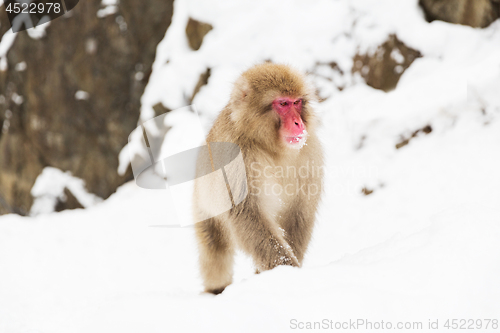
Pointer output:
x,y
39,31
110,7
82,95
5,43
49,188
106,11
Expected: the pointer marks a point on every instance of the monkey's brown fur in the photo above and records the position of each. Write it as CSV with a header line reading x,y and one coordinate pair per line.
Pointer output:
x,y
274,228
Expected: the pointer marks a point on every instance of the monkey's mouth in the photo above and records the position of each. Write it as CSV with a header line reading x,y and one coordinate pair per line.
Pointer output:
x,y
296,141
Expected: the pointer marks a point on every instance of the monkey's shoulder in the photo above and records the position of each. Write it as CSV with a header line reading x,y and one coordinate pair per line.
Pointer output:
x,y
223,128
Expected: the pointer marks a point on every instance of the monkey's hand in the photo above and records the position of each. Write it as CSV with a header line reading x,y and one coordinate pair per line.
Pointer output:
x,y
276,252
285,253
260,237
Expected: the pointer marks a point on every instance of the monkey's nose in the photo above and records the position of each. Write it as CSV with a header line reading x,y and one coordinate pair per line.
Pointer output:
x,y
298,123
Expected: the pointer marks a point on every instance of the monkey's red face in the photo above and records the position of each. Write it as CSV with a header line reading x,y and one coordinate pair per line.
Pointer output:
x,y
292,131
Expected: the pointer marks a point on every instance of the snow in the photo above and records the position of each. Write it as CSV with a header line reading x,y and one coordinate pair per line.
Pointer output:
x,y
21,66
5,43
110,7
423,246
397,56
81,95
17,98
49,188
39,31
106,11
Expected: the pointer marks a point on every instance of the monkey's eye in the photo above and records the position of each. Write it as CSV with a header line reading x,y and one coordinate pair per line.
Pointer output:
x,y
296,102
283,103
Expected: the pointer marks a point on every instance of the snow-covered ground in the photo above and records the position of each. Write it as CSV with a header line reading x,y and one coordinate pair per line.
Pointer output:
x,y
425,245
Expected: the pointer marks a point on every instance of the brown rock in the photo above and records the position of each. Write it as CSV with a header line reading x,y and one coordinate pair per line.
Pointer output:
x,y
406,140
69,202
475,13
366,191
52,124
160,109
195,32
4,21
202,81
384,68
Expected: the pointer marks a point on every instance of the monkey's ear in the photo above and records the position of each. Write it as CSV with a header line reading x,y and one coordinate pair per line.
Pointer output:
x,y
239,97
240,91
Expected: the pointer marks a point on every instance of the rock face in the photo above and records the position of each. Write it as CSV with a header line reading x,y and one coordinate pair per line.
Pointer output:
x,y
383,69
202,81
195,32
475,13
4,21
70,99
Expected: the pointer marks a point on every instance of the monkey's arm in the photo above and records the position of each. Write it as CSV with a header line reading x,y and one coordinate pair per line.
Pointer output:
x,y
260,237
298,226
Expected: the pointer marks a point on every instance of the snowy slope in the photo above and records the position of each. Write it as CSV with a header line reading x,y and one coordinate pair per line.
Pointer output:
x,y
423,246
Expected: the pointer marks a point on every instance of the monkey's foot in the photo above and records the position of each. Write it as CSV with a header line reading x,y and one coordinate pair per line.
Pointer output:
x,y
215,291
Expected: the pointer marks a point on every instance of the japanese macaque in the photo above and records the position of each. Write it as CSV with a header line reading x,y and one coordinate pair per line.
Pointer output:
x,y
270,118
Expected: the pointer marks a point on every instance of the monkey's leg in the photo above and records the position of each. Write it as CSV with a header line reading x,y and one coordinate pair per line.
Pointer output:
x,y
216,255
298,226
261,239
